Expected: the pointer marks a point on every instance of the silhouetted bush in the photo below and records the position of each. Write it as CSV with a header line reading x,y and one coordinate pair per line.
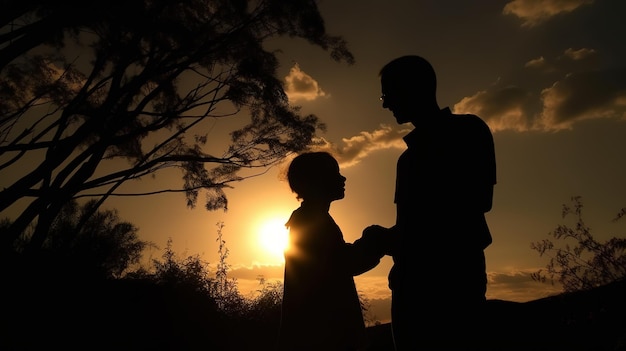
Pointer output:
x,y
82,243
587,264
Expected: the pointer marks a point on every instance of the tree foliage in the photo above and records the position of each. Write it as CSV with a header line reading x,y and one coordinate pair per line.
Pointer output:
x,y
85,244
94,94
588,263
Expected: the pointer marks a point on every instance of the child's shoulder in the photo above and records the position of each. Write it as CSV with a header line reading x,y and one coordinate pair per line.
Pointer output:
x,y
303,215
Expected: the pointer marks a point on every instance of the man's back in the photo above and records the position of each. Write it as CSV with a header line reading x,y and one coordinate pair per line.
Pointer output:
x,y
439,181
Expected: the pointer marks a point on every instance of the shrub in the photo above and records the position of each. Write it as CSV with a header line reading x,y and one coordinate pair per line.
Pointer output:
x,y
588,263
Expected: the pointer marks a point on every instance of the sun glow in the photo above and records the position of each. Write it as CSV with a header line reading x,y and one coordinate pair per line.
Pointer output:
x,y
273,238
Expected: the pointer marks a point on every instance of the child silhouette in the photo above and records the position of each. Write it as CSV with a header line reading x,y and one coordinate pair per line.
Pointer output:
x,y
321,308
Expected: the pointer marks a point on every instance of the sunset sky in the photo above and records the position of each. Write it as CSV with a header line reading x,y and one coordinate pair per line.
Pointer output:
x,y
548,76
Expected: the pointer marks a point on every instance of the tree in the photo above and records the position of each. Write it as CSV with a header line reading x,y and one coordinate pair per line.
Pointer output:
x,y
103,247
95,94
589,263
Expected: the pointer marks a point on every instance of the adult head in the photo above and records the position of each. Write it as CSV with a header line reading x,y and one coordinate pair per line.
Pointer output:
x,y
409,88
314,176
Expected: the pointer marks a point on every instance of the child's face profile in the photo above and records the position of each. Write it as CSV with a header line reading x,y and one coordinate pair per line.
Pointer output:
x,y
331,184
315,177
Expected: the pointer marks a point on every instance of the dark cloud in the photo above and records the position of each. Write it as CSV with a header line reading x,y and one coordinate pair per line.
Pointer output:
x,y
571,60
506,108
582,96
565,90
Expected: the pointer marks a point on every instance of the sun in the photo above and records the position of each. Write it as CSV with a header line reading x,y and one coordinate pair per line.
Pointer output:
x,y
273,238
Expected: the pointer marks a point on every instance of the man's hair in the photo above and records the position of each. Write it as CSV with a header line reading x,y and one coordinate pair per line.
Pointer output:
x,y
410,71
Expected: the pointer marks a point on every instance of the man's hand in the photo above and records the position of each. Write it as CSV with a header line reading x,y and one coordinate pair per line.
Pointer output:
x,y
379,238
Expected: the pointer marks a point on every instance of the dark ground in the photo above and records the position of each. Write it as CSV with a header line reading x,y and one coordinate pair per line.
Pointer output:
x,y
40,315
592,320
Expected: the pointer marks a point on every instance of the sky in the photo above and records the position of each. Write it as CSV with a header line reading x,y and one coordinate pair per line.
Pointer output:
x,y
548,77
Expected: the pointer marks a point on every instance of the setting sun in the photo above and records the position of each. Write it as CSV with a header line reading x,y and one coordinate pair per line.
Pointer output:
x,y
273,237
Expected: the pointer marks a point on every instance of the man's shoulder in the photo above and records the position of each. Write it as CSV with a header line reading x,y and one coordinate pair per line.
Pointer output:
x,y
468,120
467,117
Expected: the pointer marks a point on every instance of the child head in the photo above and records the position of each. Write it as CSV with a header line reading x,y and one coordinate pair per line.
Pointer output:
x,y
315,176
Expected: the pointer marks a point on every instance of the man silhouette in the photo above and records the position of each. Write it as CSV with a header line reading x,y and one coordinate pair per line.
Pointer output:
x,y
444,187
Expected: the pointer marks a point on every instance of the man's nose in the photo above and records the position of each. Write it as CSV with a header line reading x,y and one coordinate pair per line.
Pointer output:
x,y
385,100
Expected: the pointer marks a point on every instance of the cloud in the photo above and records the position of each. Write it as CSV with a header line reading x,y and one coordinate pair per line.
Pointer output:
x,y
579,54
573,92
248,277
539,62
570,60
583,96
518,286
374,287
577,97
506,108
301,86
354,149
255,271
380,310
534,12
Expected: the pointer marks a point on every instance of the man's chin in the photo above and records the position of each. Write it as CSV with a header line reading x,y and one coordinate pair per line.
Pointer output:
x,y
401,120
